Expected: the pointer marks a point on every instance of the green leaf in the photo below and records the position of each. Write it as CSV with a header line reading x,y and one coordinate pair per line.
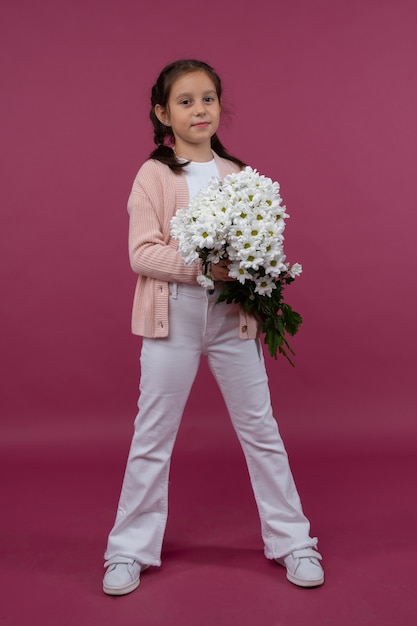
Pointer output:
x,y
276,317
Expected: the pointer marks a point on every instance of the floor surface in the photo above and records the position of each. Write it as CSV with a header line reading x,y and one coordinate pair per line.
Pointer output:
x,y
59,501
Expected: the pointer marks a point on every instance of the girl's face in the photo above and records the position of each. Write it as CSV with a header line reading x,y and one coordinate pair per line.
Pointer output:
x,y
193,112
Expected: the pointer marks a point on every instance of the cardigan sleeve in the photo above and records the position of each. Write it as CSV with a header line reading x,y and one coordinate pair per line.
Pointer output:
x,y
152,251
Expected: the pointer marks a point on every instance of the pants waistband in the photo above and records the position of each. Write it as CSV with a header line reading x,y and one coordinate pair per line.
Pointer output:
x,y
195,291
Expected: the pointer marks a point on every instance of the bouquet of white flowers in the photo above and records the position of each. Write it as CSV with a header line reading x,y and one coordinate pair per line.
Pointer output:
x,y
241,220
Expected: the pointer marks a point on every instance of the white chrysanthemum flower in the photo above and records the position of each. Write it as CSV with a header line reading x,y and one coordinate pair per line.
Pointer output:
x,y
275,266
204,235
239,272
205,281
295,270
265,286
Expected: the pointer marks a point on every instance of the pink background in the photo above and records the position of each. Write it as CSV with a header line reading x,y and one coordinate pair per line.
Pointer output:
x,y
322,97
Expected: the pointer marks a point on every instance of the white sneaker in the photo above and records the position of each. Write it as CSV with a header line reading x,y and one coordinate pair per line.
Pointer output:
x,y
122,576
303,567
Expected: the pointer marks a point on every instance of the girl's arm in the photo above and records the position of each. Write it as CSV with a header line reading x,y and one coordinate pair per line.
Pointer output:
x,y
152,251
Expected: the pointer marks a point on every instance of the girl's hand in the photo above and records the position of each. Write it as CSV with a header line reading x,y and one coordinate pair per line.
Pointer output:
x,y
220,271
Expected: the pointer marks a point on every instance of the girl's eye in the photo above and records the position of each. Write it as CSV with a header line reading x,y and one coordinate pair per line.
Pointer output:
x,y
188,101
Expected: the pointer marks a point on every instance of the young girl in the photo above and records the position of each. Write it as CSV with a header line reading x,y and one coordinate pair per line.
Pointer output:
x,y
180,321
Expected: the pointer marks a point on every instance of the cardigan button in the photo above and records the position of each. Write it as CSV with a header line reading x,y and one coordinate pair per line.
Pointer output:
x,y
244,329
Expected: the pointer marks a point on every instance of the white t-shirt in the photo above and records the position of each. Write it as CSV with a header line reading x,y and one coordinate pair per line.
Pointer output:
x,y
198,175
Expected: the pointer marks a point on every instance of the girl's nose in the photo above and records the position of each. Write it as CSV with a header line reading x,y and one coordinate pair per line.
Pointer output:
x,y
199,108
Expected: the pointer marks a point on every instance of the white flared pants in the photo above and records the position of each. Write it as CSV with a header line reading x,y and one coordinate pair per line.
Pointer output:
x,y
168,368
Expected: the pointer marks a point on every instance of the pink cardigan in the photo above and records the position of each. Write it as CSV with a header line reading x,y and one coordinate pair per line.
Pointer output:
x,y
156,195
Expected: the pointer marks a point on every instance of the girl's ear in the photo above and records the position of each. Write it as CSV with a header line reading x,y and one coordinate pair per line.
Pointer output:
x,y
162,114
